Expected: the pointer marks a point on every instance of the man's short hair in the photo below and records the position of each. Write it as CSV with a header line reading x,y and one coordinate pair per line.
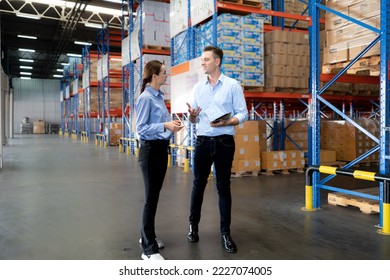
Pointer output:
x,y
217,52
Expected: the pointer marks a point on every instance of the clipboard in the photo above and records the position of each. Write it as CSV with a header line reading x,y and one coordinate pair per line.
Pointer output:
x,y
223,117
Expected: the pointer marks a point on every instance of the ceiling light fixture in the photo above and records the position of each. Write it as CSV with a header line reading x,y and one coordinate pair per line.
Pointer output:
x,y
27,37
83,43
74,55
25,78
57,76
94,25
31,16
114,1
65,64
89,8
26,50
26,73
60,70
26,67
26,60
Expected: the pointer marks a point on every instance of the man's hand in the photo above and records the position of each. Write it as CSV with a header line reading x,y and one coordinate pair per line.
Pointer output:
x,y
193,112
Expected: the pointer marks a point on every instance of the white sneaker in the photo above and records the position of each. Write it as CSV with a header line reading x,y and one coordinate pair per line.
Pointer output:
x,y
152,257
160,243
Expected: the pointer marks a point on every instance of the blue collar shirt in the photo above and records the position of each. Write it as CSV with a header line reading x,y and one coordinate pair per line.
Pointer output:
x,y
226,97
151,114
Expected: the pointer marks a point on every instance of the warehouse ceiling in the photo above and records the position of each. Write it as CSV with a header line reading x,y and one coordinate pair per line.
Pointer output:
x,y
57,26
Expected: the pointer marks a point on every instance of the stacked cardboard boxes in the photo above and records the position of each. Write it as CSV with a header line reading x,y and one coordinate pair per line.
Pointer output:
x,y
241,39
286,59
250,138
282,160
298,132
344,39
348,141
295,7
155,23
115,133
39,127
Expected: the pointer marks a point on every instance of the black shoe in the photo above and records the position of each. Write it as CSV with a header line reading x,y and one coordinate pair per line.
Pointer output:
x,y
193,235
228,244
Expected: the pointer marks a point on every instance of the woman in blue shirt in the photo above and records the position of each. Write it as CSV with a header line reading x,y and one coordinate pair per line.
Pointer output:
x,y
154,129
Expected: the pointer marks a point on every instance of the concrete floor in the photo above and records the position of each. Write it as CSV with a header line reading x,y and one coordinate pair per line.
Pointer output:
x,y
61,199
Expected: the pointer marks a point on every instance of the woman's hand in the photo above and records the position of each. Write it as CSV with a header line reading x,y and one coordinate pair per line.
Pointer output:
x,y
173,126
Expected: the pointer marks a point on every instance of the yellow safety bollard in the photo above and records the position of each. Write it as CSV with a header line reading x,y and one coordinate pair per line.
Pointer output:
x,y
96,141
386,219
120,147
309,198
136,151
186,165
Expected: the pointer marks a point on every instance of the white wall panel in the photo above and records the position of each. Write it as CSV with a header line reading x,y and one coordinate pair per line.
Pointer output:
x,y
36,99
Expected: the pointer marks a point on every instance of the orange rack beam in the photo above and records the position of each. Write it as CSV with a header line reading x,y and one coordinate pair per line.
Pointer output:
x,y
250,9
356,79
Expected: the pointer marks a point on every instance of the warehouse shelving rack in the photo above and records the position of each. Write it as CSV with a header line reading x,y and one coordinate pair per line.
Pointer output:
x,y
251,97
66,117
279,99
69,100
78,119
88,116
128,140
107,115
62,104
124,142
317,98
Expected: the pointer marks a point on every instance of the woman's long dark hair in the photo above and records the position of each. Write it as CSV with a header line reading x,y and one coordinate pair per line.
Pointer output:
x,y
152,67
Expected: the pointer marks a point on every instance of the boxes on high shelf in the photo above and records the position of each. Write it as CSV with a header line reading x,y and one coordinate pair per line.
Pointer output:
x,y
155,19
289,51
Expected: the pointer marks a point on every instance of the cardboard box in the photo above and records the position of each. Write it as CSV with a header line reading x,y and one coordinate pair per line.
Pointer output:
x,y
245,165
334,54
39,127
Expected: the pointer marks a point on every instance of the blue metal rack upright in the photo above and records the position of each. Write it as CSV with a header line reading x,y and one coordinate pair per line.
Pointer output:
x,y
130,133
124,142
103,47
87,94
317,99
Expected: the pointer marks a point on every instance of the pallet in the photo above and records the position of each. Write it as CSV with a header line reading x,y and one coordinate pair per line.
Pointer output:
x,y
272,172
151,47
366,206
369,66
286,90
253,89
245,173
251,3
334,163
